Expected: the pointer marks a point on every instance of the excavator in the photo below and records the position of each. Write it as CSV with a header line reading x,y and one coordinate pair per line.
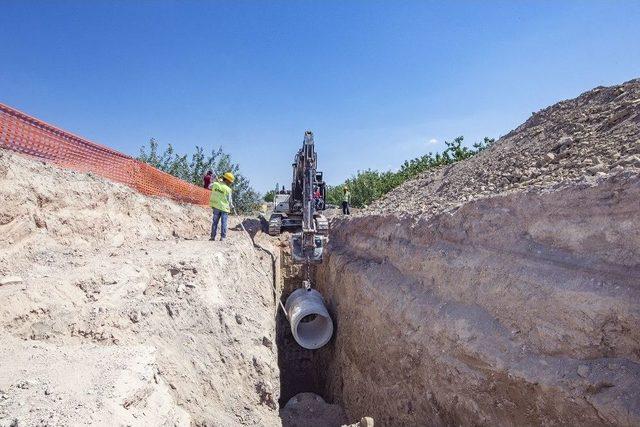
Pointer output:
x,y
301,209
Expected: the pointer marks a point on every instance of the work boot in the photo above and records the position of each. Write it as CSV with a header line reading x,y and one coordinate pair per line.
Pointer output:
x,y
211,239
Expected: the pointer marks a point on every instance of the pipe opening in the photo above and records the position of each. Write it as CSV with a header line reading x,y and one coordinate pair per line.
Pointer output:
x,y
315,333
311,324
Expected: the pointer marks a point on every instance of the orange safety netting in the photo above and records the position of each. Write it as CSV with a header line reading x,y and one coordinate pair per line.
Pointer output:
x,y
27,135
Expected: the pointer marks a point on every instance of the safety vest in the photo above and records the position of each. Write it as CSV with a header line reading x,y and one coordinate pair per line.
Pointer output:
x,y
220,193
347,196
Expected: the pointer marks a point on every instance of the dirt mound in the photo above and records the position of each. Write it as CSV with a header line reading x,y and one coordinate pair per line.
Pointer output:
x,y
117,307
503,289
584,139
310,410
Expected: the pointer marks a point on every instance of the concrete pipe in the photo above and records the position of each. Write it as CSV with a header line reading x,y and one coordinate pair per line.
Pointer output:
x,y
311,324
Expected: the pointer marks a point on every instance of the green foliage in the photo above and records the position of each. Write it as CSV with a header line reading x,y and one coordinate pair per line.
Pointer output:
x,y
193,169
270,196
369,185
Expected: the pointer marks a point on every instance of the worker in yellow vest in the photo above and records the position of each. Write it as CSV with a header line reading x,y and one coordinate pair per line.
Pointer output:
x,y
222,203
346,200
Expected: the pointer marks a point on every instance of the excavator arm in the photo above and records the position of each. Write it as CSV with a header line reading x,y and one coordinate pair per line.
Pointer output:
x,y
308,245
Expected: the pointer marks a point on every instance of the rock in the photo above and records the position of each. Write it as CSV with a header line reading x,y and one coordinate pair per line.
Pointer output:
x,y
366,422
583,370
172,311
259,366
617,169
10,280
600,167
565,141
309,409
267,343
630,161
39,221
24,385
239,319
135,316
547,158
265,395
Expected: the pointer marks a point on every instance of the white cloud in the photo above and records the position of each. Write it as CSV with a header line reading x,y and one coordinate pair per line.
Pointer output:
x,y
433,141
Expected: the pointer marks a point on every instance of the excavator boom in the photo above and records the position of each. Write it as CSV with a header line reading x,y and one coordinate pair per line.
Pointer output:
x,y
307,246
311,324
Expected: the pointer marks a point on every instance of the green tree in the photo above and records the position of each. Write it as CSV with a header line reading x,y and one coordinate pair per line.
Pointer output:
x,y
192,169
270,196
369,185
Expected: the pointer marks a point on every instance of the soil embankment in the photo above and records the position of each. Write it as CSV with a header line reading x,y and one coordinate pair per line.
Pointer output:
x,y
504,289
118,310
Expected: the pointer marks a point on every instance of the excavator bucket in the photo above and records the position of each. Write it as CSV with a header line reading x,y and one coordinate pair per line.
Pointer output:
x,y
307,248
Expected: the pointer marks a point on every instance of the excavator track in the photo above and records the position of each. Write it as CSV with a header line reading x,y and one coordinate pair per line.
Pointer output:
x,y
275,225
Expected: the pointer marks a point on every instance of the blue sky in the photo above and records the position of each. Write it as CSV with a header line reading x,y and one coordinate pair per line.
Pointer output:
x,y
377,82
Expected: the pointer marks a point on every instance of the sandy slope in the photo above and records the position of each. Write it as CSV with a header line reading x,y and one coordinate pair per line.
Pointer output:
x,y
125,313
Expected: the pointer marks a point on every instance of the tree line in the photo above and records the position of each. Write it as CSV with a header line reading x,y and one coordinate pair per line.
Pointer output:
x,y
369,185
192,169
366,186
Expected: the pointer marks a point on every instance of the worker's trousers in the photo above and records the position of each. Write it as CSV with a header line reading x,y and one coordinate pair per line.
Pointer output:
x,y
345,208
219,215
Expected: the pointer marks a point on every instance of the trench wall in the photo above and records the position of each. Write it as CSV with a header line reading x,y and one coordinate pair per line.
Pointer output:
x,y
513,310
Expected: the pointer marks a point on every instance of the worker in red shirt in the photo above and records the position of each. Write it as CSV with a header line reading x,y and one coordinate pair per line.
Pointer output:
x,y
317,198
207,179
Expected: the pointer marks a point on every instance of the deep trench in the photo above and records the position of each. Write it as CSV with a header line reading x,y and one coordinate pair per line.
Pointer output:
x,y
301,370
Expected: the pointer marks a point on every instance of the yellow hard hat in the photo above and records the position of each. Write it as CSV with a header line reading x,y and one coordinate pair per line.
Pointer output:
x,y
346,188
229,177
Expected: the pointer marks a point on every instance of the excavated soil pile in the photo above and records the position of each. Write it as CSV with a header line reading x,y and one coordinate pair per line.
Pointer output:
x,y
585,139
117,310
504,289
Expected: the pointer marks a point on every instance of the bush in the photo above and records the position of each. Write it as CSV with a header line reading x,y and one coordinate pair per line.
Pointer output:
x,y
269,196
369,185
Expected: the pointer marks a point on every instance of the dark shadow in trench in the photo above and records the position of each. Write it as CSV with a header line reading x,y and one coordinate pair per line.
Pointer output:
x,y
297,365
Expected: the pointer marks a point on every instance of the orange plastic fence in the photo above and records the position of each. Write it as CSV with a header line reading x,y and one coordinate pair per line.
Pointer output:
x,y
27,135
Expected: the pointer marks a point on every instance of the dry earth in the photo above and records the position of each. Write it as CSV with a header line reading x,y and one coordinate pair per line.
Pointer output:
x,y
117,310
502,290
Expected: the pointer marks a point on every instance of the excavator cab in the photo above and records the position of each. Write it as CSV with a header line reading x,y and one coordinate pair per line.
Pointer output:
x,y
301,207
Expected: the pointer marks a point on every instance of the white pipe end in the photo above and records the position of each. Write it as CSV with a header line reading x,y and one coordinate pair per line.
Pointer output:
x,y
311,324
